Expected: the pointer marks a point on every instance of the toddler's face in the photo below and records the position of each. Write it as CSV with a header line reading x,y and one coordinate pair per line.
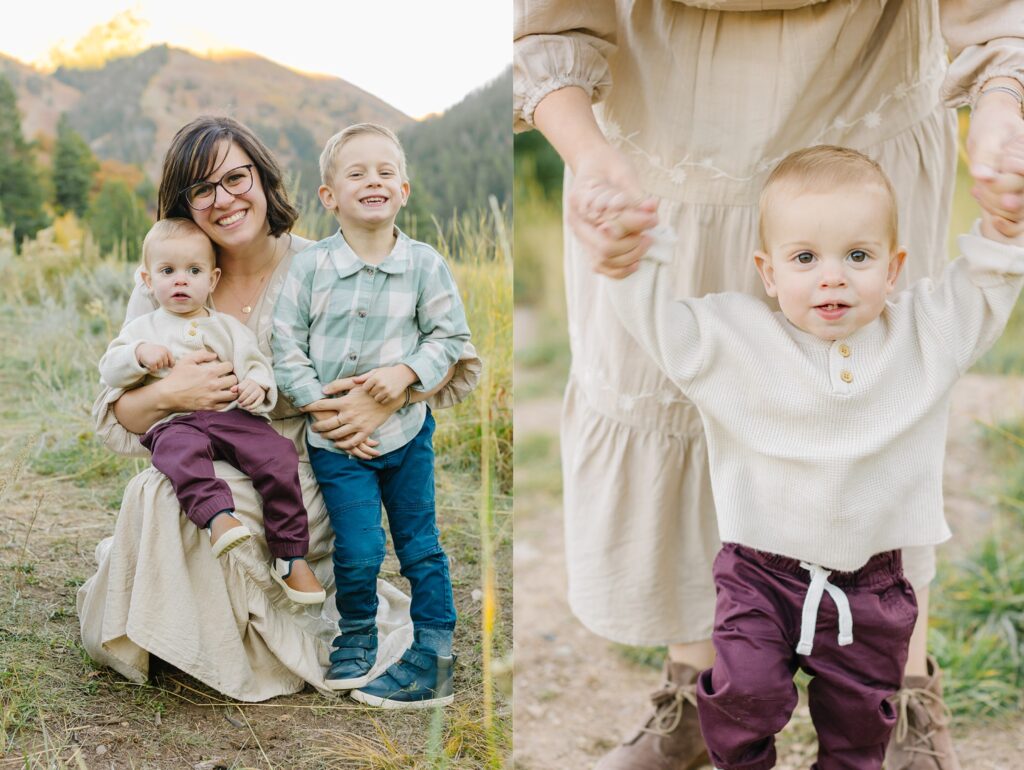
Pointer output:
x,y
831,261
181,273
366,188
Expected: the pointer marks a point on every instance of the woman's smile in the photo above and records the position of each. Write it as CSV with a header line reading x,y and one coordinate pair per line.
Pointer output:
x,y
231,219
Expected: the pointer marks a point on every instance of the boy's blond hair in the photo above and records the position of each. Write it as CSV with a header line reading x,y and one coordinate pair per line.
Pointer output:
x,y
173,228
825,167
338,141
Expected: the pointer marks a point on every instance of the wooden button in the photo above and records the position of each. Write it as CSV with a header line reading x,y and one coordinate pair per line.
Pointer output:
x,y
846,376
844,350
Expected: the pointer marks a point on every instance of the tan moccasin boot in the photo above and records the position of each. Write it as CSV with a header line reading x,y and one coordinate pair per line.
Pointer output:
x,y
921,738
670,738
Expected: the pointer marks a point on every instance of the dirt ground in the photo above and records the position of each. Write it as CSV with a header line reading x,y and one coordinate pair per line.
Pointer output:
x,y
576,694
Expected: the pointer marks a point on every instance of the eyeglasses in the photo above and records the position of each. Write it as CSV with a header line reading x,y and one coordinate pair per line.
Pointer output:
x,y
202,195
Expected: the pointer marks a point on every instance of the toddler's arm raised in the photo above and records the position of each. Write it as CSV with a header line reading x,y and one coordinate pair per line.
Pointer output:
x,y
668,330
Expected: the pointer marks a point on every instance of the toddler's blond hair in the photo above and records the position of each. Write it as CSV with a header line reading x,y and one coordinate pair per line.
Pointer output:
x,y
174,228
824,168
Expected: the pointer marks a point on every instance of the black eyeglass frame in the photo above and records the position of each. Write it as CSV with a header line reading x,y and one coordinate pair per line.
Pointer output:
x,y
219,183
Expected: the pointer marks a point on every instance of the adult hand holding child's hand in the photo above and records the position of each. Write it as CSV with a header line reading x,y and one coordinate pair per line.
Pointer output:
x,y
994,145
610,214
349,420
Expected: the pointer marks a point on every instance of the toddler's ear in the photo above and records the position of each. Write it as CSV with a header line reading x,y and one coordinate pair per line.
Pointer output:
x,y
406,189
146,279
895,267
766,271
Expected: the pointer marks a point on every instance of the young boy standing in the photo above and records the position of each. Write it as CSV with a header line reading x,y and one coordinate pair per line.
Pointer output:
x,y
826,426
370,300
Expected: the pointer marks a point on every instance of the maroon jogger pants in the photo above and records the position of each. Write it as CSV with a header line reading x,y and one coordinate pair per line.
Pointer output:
x,y
749,695
184,449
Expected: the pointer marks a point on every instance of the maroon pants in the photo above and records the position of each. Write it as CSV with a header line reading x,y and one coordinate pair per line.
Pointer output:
x,y
184,449
749,695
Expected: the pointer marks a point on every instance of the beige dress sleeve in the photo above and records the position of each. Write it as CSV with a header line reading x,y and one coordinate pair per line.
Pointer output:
x,y
559,44
981,44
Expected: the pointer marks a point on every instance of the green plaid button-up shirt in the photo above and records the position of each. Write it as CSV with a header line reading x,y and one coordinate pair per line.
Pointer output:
x,y
338,316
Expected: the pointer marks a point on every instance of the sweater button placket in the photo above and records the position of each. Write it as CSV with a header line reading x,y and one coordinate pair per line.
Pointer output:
x,y
839,366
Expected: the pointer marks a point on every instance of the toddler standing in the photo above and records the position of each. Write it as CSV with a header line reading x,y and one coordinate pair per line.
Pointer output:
x,y
370,300
826,426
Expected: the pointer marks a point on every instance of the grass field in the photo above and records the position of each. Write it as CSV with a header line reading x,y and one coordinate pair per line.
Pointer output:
x,y
60,302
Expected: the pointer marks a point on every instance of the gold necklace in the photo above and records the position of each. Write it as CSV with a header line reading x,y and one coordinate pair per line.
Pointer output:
x,y
247,306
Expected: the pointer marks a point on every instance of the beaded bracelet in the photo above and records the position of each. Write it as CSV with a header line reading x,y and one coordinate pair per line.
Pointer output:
x,y
1006,90
408,396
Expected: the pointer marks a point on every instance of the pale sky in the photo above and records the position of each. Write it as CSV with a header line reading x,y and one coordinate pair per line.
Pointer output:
x,y
418,56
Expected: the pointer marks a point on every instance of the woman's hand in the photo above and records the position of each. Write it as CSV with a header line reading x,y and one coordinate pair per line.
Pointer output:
x,y
609,213
349,420
993,142
604,183
199,381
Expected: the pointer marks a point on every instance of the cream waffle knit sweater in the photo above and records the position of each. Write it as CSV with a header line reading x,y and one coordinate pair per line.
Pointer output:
x,y
828,452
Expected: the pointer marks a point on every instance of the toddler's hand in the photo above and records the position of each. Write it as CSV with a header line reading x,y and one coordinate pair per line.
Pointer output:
x,y
250,394
153,357
388,382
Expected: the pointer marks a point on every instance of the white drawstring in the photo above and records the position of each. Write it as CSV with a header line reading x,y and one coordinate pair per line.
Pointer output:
x,y
809,616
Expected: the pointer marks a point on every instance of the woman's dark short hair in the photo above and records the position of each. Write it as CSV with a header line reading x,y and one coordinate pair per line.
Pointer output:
x,y
193,155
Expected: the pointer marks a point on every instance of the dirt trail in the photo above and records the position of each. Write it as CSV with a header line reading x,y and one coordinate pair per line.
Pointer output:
x,y
575,694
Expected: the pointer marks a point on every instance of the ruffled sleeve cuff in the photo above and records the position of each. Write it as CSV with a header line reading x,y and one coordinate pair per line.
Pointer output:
x,y
467,376
546,63
978,64
109,431
980,46
560,43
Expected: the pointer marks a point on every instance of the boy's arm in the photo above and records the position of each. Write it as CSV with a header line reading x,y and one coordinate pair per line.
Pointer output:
x,y
293,369
444,331
667,330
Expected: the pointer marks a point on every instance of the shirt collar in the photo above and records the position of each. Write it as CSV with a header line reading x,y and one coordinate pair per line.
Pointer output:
x,y
348,263
870,335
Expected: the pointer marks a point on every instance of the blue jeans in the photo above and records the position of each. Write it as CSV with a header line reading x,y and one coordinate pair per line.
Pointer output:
x,y
353,491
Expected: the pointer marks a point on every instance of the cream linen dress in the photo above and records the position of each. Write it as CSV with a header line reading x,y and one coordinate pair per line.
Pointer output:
x,y
158,590
705,101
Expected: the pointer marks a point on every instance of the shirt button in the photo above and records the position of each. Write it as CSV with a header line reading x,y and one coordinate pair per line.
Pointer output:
x,y
362,314
370,271
844,350
192,332
846,376
195,323
351,356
